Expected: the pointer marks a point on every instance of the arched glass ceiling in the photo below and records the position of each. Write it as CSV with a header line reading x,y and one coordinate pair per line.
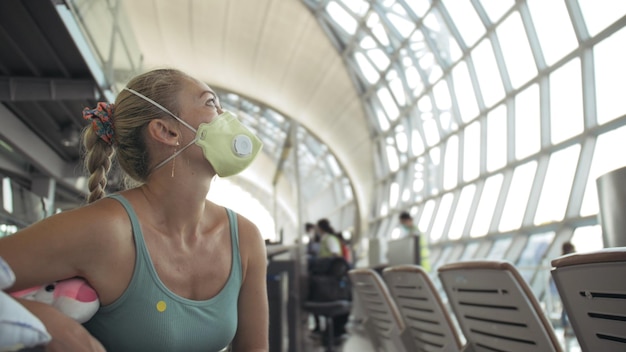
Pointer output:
x,y
494,118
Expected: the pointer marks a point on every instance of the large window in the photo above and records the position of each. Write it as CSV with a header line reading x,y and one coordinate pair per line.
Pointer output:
x,y
499,114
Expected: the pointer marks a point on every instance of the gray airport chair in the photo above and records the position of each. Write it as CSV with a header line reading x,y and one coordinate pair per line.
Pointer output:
x,y
383,321
593,290
426,317
495,308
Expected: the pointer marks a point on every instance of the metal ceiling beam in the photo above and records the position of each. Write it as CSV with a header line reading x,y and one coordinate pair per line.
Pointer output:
x,y
287,147
26,144
42,89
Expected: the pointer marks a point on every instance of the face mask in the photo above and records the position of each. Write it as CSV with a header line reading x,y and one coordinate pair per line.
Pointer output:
x,y
226,143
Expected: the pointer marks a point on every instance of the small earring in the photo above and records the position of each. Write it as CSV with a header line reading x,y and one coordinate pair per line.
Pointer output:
x,y
174,161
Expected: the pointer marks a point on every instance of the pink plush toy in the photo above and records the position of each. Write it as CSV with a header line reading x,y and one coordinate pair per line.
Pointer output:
x,y
73,297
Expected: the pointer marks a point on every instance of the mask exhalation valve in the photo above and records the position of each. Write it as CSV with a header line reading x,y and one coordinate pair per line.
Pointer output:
x,y
242,145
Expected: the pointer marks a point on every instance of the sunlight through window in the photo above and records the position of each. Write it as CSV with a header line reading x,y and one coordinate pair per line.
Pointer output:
x,y
229,195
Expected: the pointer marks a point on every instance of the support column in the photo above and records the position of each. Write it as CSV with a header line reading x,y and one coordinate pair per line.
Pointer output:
x,y
612,199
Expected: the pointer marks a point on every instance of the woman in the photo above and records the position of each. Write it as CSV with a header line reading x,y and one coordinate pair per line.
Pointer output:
x,y
173,271
330,244
331,247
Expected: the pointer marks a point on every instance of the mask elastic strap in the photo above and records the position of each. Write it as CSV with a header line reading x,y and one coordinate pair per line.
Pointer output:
x,y
174,116
160,107
174,155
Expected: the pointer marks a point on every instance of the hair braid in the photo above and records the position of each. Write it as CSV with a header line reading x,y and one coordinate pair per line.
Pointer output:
x,y
98,155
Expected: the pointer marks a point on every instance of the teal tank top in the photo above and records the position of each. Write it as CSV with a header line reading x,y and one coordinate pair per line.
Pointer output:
x,y
149,317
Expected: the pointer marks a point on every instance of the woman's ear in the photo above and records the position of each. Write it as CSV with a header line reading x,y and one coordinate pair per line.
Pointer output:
x,y
164,132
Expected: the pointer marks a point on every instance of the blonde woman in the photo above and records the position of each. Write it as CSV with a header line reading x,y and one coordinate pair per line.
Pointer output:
x,y
173,271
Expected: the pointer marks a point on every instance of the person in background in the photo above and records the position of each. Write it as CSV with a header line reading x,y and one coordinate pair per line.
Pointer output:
x,y
567,248
331,248
333,243
410,229
172,270
312,250
313,246
330,244
346,250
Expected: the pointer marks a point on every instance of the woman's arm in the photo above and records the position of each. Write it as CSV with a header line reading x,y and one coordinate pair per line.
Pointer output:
x,y
253,312
69,244
84,242
48,250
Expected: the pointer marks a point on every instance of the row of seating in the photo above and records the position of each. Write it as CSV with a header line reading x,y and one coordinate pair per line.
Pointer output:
x,y
493,305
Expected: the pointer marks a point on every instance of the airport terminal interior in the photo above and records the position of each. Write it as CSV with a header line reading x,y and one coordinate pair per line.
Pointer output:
x,y
498,125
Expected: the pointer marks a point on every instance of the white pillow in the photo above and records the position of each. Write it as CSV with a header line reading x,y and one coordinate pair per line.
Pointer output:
x,y
7,278
19,328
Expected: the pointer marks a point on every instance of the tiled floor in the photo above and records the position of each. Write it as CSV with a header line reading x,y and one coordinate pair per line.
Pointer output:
x,y
356,340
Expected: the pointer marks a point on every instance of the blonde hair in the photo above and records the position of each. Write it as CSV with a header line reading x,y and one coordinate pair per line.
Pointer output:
x,y
130,117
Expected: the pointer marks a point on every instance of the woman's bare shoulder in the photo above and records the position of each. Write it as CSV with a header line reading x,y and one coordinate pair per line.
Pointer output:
x,y
248,231
251,242
103,215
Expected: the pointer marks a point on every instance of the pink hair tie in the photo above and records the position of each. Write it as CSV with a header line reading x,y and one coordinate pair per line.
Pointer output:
x,y
101,120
